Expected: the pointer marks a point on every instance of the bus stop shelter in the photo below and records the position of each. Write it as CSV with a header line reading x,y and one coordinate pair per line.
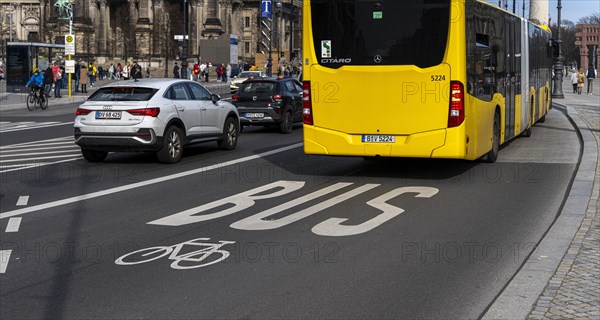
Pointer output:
x,y
23,57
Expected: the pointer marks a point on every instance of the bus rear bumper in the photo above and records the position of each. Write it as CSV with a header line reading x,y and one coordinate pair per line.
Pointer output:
x,y
443,143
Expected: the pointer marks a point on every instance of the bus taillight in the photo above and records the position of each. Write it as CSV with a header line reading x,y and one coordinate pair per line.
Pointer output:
x,y
307,116
457,104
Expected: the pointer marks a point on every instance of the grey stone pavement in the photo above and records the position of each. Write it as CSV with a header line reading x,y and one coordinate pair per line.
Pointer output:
x,y
561,279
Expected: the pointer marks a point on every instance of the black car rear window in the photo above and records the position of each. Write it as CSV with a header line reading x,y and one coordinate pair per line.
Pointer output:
x,y
258,88
123,94
383,32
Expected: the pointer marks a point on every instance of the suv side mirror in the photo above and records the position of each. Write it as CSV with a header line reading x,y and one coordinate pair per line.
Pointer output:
x,y
215,98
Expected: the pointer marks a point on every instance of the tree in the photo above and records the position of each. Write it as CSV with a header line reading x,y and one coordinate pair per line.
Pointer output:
x,y
593,19
569,49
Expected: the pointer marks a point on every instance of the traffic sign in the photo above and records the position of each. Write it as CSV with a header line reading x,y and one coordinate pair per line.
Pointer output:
x,y
69,44
180,37
266,7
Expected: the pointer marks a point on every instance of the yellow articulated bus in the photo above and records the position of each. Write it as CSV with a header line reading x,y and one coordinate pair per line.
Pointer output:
x,y
421,78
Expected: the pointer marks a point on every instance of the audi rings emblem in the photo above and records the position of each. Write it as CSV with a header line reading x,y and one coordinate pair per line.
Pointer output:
x,y
107,107
377,59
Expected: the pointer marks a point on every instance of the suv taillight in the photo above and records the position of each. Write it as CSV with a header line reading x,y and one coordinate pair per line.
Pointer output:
x,y
151,112
277,98
307,116
82,112
457,104
235,97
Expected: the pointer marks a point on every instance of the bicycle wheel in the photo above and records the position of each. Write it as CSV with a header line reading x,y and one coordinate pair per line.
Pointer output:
x,y
31,101
43,102
141,256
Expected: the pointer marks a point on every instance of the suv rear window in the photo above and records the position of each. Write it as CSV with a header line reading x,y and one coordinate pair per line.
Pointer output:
x,y
384,32
123,94
257,88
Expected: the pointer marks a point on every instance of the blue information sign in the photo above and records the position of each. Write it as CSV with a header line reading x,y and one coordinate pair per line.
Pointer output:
x,y
266,7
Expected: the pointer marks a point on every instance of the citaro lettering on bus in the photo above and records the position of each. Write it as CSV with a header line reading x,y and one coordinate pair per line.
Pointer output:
x,y
337,60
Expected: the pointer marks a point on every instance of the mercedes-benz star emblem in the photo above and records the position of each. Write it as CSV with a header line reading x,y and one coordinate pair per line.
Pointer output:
x,y
377,59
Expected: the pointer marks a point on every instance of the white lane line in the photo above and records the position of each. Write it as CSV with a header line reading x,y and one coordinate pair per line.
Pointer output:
x,y
13,224
33,127
40,142
23,200
39,158
4,258
2,155
36,148
6,168
97,194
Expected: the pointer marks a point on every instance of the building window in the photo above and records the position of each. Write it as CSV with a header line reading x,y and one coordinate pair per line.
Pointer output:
x,y
246,22
247,47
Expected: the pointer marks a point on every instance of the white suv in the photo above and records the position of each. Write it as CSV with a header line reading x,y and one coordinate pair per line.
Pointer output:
x,y
158,115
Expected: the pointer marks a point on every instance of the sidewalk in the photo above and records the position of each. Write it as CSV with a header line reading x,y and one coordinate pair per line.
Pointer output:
x,y
561,279
16,101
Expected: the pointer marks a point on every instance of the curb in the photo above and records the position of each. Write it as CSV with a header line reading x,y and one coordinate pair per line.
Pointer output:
x,y
519,297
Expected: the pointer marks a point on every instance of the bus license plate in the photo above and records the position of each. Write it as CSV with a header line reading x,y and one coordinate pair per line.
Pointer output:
x,y
378,138
108,114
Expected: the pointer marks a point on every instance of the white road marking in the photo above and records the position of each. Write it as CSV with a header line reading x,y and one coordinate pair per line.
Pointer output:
x,y
97,194
4,258
32,125
13,224
17,167
23,200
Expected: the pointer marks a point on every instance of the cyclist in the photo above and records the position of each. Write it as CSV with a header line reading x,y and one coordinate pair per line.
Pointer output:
x,y
37,83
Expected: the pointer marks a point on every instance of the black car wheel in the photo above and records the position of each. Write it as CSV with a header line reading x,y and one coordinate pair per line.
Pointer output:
x,y
172,146
231,132
287,123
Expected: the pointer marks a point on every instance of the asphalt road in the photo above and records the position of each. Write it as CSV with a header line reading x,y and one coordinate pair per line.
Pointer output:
x,y
277,234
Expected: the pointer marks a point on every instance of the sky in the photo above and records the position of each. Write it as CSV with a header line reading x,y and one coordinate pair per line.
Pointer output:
x,y
572,10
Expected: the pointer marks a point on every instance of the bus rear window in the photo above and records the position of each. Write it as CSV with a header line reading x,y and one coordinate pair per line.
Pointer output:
x,y
387,32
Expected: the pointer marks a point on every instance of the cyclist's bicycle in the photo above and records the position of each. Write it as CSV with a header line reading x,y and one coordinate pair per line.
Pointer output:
x,y
36,98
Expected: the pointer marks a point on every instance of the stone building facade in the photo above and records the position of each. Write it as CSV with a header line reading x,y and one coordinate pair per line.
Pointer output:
x,y
587,39
145,29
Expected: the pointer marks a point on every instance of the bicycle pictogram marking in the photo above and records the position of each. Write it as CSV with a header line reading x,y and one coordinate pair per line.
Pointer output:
x,y
181,261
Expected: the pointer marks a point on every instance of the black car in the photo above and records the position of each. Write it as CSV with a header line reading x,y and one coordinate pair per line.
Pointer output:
x,y
270,101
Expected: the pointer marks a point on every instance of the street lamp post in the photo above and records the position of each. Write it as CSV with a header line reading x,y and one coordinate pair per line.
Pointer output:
x,y
557,92
291,32
184,55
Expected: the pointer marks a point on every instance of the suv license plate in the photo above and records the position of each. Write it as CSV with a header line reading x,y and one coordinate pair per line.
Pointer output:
x,y
255,115
378,138
108,114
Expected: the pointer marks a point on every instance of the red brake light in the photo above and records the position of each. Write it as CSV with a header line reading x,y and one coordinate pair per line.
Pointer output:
x,y
307,116
151,112
457,104
277,97
235,97
82,112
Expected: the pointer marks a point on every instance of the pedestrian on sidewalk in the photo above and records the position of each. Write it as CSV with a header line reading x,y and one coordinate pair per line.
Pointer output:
x,y
591,75
574,80
136,71
57,77
83,78
176,71
580,80
48,79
